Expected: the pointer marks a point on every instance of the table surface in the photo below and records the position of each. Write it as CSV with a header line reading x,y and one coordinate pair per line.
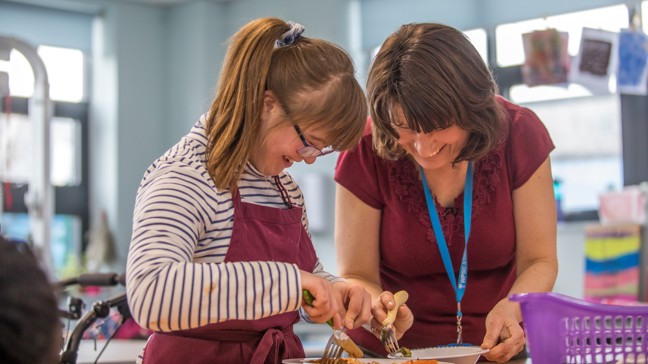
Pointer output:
x,y
126,351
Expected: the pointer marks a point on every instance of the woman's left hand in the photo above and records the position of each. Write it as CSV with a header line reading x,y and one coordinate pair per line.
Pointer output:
x,y
504,335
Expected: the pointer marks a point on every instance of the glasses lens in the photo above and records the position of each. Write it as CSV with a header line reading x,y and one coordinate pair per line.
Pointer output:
x,y
308,152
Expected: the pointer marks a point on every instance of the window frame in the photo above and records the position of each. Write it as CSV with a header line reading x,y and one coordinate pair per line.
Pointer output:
x,y
68,200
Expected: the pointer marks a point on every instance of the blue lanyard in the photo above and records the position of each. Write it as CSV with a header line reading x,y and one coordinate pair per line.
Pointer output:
x,y
460,286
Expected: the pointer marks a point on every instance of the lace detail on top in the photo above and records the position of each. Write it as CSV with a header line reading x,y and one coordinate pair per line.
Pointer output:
x,y
404,176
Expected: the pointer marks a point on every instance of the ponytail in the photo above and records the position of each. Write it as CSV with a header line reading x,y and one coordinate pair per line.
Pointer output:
x,y
234,117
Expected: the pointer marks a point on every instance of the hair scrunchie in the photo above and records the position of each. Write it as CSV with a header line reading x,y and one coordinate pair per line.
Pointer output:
x,y
291,36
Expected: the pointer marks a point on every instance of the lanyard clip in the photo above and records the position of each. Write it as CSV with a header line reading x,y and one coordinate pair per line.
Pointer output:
x,y
459,327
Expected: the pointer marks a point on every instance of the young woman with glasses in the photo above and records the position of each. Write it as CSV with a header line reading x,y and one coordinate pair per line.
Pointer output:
x,y
220,252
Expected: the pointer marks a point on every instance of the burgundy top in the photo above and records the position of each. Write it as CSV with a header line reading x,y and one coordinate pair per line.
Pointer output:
x,y
410,258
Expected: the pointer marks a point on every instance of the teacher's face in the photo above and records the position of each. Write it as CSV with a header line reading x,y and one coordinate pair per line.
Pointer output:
x,y
436,149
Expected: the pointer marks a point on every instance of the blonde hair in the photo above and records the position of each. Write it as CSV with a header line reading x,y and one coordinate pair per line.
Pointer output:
x,y
313,80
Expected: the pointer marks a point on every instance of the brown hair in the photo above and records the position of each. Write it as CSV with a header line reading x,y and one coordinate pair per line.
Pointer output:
x,y
312,79
439,79
30,328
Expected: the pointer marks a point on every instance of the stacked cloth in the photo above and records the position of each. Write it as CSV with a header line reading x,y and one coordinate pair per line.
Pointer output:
x,y
612,264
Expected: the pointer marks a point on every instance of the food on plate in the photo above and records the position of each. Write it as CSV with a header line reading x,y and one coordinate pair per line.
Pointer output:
x,y
369,361
406,352
349,346
403,352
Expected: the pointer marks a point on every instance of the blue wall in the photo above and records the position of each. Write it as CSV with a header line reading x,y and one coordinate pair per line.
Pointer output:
x,y
38,25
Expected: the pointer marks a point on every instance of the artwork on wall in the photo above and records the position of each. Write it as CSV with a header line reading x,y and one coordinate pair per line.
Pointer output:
x,y
546,58
596,60
633,56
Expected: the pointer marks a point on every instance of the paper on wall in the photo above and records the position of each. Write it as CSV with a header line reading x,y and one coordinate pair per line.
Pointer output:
x,y
633,56
546,58
596,60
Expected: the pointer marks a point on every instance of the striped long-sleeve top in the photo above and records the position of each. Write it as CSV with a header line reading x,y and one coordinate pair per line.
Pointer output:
x,y
176,275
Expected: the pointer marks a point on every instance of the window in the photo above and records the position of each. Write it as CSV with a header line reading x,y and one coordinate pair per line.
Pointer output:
x,y
65,70
68,153
479,39
510,50
585,129
509,36
644,15
587,159
65,149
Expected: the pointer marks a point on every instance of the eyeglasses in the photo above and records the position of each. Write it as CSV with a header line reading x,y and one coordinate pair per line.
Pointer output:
x,y
309,150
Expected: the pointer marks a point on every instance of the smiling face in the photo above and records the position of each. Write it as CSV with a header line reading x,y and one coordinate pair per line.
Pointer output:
x,y
433,150
281,142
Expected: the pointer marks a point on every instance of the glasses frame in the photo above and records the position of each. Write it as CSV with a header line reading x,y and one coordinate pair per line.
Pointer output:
x,y
309,150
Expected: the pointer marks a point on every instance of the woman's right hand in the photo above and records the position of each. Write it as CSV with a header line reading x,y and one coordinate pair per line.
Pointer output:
x,y
381,306
324,305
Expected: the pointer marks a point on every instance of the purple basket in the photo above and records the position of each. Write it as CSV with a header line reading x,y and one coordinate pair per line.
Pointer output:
x,y
563,329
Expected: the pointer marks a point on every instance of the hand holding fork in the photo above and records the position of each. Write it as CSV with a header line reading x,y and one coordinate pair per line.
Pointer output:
x,y
388,335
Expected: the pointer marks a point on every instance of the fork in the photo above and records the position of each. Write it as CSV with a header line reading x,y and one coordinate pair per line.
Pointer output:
x,y
388,335
332,351
338,343
335,347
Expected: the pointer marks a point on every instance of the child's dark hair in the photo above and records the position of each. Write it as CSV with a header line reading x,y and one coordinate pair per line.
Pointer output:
x,y
30,330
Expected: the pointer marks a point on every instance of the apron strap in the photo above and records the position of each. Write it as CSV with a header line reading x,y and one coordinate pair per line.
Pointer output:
x,y
228,335
272,345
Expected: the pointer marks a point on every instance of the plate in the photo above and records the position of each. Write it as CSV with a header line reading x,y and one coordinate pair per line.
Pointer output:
x,y
452,354
360,360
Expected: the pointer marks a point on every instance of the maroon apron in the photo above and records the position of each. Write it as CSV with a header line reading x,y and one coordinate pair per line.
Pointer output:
x,y
260,233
